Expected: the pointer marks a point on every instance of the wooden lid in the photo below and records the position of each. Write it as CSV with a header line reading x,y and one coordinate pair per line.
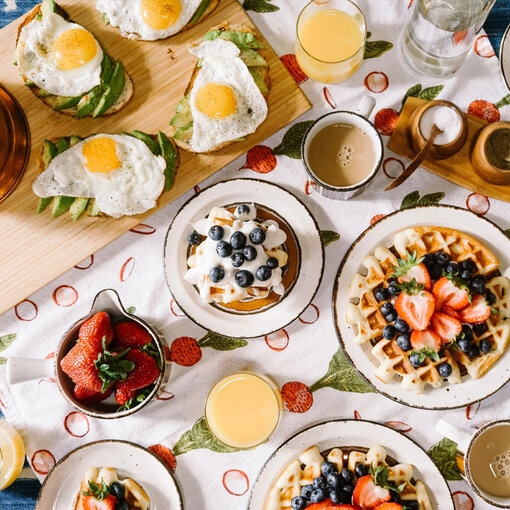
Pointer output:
x,y
14,145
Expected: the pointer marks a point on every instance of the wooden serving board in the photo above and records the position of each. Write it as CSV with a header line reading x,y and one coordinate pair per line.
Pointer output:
x,y
35,249
457,168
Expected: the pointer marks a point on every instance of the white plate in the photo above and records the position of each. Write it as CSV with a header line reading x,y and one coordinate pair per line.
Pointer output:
x,y
131,461
448,396
291,305
504,56
338,433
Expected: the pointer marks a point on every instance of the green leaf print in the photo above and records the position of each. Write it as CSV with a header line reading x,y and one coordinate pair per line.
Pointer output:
x,y
291,143
221,343
413,199
328,237
430,93
342,377
200,436
260,6
131,309
5,341
503,102
375,49
444,455
411,92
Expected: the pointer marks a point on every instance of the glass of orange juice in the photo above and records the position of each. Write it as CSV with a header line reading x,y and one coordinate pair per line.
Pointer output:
x,y
243,409
12,454
331,36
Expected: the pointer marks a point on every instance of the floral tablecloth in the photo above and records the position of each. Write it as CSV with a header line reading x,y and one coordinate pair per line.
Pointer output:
x,y
304,359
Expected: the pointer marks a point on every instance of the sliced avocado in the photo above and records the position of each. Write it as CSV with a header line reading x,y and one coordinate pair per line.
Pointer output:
x,y
252,59
105,18
89,102
204,4
62,102
170,154
48,6
112,92
42,93
77,207
43,203
259,81
49,152
92,208
184,132
29,84
73,140
243,40
106,69
182,115
183,105
60,205
62,144
149,141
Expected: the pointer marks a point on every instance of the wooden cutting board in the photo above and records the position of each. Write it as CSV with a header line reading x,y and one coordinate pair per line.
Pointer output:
x,y
35,249
457,168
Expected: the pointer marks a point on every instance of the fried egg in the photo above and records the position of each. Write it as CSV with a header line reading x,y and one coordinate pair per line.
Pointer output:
x,y
148,19
119,171
60,57
225,101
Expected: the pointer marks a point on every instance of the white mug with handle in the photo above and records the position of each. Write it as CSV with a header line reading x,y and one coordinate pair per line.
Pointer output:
x,y
499,466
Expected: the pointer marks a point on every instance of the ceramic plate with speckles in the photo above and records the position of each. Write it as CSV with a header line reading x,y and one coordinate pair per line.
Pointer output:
x,y
448,396
131,461
287,209
504,56
353,433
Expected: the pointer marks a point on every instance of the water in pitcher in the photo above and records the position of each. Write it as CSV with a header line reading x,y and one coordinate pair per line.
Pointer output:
x,y
440,33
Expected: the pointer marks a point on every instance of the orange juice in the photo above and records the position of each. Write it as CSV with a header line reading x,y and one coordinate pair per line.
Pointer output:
x,y
330,43
12,454
243,409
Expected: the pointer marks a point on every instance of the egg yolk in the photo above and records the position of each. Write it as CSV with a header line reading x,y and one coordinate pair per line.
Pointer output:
x,y
74,48
100,155
160,14
216,100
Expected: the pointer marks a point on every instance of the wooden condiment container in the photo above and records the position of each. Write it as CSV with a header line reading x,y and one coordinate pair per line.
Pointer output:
x,y
480,158
418,141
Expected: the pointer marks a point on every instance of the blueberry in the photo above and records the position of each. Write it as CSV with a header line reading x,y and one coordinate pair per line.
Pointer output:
x,y
441,258
347,488
118,490
464,344
318,495
194,238
435,271
490,297
122,505
468,265
413,505
386,308
237,259
360,469
466,275
244,278
272,263
242,209
238,240
327,468
334,481
452,267
415,360
428,260
485,345
393,289
381,294
404,342
335,496
216,274
391,316
250,253
216,232
298,503
257,236
474,351
480,329
444,369
306,491
388,332
401,326
223,249
347,475
319,483
477,285
263,273
468,332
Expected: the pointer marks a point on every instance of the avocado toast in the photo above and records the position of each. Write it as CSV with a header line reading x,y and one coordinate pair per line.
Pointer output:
x,y
113,93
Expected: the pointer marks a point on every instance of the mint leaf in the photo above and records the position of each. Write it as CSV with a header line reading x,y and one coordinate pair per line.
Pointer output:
x,y
444,455
328,237
131,309
375,49
291,142
261,6
99,492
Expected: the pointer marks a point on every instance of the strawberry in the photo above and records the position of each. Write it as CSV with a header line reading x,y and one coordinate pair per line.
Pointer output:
x,y
450,311
448,293
389,506
123,396
445,326
477,312
410,268
91,503
78,364
369,495
86,396
425,339
327,504
94,329
415,305
131,334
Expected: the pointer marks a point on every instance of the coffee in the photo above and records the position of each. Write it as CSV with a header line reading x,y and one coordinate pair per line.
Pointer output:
x,y
489,461
341,155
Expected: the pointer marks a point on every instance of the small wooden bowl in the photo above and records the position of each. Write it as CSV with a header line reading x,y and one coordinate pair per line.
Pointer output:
x,y
481,164
418,141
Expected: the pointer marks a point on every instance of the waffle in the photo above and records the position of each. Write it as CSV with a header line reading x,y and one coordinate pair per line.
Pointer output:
x,y
302,470
134,496
363,310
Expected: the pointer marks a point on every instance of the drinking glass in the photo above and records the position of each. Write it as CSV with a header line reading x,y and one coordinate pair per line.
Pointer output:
x,y
12,454
440,33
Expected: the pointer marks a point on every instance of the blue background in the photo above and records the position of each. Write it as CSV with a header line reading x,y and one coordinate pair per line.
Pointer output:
x,y
23,493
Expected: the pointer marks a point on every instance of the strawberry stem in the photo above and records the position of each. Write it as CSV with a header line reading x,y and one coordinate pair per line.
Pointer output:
x,y
112,366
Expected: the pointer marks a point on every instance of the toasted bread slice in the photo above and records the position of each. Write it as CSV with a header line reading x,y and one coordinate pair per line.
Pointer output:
x,y
50,100
263,71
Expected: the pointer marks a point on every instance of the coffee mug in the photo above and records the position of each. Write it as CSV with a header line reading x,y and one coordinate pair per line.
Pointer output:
x,y
485,460
359,120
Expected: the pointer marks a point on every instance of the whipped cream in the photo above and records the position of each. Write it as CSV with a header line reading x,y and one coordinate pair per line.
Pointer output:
x,y
206,257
